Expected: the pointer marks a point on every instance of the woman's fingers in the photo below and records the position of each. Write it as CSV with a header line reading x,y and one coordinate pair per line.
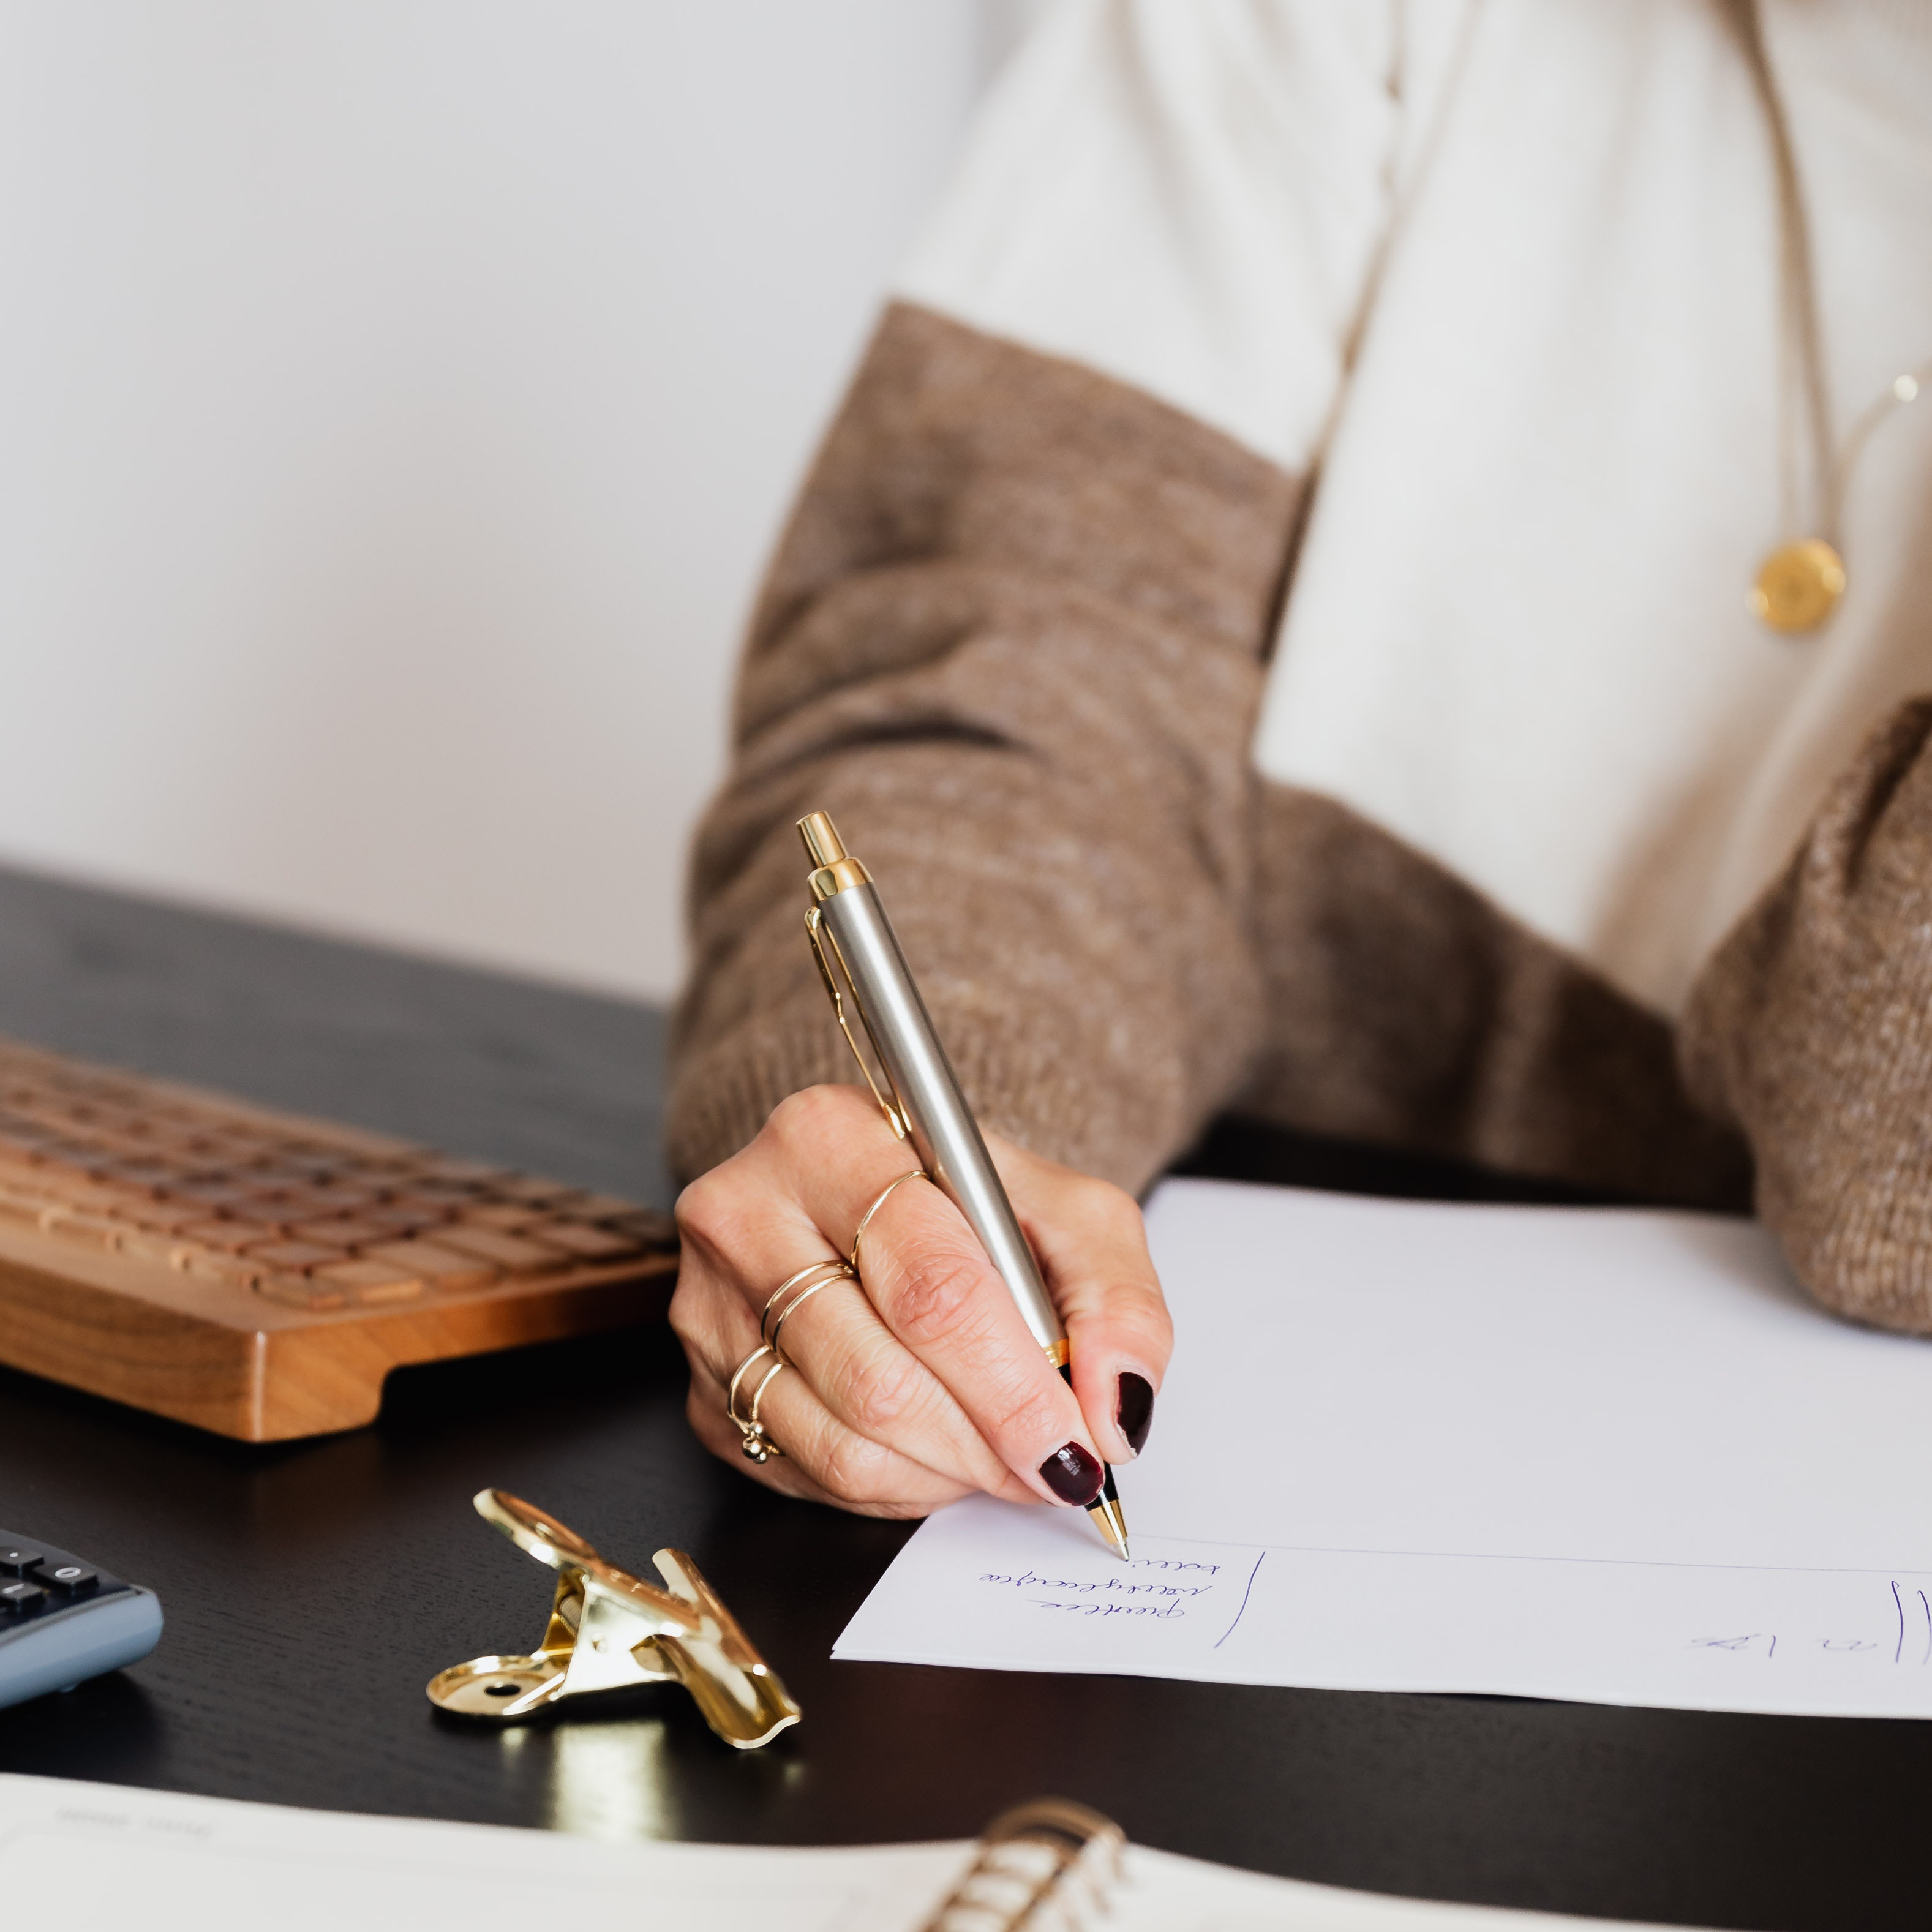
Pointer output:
x,y
935,1291
934,1288
923,1382
823,1461
1091,1244
747,1234
748,1229
872,1383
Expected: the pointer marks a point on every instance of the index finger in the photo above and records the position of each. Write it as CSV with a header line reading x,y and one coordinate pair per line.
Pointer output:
x,y
925,1272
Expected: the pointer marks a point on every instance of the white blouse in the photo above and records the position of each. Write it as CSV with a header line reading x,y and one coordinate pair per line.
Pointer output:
x,y
1508,271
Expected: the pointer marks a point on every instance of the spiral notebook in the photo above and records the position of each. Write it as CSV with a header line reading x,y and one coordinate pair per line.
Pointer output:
x,y
175,1863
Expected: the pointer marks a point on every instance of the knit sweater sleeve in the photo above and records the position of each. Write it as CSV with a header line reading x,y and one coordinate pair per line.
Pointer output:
x,y
1012,641
1811,1029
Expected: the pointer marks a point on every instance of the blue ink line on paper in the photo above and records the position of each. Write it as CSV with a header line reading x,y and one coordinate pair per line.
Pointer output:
x,y
1899,1652
1245,1595
1927,1608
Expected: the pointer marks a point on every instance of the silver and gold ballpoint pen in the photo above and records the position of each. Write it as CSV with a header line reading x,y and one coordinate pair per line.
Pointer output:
x,y
864,971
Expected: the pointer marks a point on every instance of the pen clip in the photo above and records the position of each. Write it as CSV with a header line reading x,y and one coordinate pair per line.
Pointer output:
x,y
820,934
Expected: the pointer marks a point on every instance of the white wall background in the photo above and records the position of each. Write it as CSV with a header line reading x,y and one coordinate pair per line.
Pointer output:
x,y
397,398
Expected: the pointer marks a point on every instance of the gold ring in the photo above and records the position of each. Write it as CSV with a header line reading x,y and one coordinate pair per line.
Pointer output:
x,y
843,1271
828,1270
755,1440
884,1194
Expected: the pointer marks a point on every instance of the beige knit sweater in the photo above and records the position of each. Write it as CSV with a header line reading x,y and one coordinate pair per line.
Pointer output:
x,y
1457,806
1014,641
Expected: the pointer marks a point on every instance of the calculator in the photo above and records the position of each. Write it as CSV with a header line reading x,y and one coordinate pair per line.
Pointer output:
x,y
63,1619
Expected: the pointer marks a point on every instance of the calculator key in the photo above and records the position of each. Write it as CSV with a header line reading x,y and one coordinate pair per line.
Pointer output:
x,y
70,1579
19,1561
18,1599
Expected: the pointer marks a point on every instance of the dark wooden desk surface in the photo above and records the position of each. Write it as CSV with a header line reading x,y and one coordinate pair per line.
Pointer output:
x,y
312,1589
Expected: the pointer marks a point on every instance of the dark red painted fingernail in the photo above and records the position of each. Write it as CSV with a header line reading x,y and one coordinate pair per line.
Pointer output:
x,y
1133,1410
1072,1474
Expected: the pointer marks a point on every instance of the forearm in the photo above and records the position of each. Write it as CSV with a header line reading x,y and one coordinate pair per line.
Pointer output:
x,y
1012,642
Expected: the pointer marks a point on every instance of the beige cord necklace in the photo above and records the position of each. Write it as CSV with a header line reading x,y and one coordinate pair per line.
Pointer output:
x,y
1799,586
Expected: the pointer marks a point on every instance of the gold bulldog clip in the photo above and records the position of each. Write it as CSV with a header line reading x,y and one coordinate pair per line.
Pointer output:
x,y
608,1630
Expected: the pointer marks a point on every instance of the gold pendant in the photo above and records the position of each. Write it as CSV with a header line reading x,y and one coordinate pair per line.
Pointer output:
x,y
1799,586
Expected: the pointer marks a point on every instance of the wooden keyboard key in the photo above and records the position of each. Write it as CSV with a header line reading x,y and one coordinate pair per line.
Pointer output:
x,y
508,1215
600,1207
266,1219
293,1206
296,1257
514,1254
18,1173
338,1201
215,1196
479,1174
346,1233
302,1292
441,1267
587,1243
18,1207
95,1199
139,1175
398,1218
372,1282
166,1216
223,1236
68,1162
74,1224
534,1188
438,1193
148,1244
236,1270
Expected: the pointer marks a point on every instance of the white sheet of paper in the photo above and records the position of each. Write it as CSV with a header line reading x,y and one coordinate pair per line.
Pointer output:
x,y
1600,1454
100,1854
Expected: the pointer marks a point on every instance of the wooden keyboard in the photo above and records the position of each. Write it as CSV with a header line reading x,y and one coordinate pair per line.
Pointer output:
x,y
259,1274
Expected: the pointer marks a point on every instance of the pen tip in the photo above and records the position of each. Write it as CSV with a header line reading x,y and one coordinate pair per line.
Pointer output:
x,y
1105,1512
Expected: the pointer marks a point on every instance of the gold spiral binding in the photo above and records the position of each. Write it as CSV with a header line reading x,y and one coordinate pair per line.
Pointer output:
x,y
1050,1866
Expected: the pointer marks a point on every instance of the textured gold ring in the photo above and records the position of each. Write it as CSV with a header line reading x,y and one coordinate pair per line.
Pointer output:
x,y
816,1275
879,1201
842,1271
754,1440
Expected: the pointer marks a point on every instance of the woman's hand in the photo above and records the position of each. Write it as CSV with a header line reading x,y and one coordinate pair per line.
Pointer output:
x,y
924,1384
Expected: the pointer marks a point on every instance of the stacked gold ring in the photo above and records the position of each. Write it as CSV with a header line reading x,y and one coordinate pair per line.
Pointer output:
x,y
755,1440
800,1287
791,1294
879,1201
